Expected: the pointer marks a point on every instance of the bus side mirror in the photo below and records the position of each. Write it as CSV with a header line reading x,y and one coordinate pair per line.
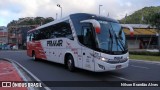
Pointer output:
x,y
130,29
98,31
95,24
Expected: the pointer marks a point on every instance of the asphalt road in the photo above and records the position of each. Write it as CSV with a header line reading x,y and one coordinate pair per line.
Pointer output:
x,y
48,71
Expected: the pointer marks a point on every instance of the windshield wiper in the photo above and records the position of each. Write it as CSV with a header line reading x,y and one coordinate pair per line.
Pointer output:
x,y
123,45
110,40
120,43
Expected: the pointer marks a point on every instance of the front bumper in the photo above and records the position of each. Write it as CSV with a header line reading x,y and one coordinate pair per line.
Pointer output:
x,y
101,66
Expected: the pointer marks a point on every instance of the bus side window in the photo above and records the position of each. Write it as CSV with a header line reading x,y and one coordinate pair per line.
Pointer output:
x,y
66,30
34,36
87,37
62,30
30,37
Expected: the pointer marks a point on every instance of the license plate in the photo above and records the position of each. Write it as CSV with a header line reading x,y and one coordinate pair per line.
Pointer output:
x,y
118,66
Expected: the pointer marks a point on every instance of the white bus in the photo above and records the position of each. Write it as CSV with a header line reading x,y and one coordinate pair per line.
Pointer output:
x,y
85,41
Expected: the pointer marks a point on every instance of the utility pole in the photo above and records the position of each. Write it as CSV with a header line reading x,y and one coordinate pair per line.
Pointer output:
x,y
58,5
56,15
99,9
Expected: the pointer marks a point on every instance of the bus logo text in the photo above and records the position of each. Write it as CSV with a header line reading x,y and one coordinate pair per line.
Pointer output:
x,y
118,58
54,43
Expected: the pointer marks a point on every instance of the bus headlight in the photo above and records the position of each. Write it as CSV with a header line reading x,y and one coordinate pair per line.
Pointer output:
x,y
104,59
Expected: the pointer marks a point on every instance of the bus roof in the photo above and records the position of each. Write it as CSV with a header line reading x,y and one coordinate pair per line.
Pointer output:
x,y
93,16
77,15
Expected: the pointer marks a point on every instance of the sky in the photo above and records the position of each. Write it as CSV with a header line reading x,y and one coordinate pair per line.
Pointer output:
x,y
117,9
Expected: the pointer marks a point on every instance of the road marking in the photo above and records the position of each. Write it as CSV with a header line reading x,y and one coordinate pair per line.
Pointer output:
x,y
125,79
32,75
139,67
148,62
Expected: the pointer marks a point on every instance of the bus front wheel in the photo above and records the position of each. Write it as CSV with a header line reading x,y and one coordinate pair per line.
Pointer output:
x,y
70,63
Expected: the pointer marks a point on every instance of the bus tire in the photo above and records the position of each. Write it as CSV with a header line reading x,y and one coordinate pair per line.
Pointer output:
x,y
70,63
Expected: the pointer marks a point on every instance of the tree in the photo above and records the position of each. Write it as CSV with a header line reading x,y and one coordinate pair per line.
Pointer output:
x,y
154,21
140,16
30,21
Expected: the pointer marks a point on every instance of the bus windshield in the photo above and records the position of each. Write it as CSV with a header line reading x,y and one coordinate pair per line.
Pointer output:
x,y
111,37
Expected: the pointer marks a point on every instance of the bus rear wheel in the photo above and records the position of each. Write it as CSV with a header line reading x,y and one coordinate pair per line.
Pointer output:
x,y
70,63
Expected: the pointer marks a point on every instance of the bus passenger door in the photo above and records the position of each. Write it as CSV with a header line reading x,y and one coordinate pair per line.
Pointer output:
x,y
87,52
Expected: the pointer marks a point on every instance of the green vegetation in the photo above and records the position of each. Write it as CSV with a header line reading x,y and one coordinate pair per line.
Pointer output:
x,y
154,20
145,57
136,17
146,15
144,53
30,21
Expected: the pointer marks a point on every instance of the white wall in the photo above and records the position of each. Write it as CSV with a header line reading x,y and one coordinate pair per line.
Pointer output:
x,y
132,44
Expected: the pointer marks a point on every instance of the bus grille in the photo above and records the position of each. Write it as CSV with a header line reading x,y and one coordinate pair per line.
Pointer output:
x,y
113,61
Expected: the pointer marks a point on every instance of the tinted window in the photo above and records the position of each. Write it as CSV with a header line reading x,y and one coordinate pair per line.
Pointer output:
x,y
88,36
35,35
59,30
62,29
29,37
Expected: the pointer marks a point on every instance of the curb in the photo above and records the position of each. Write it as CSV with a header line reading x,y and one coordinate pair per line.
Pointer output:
x,y
23,72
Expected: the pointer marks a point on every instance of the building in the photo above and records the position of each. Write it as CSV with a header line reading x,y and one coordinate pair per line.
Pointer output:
x,y
17,30
17,34
3,35
145,37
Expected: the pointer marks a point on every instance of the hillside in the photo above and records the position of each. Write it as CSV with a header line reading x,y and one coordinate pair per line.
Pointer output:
x,y
30,21
140,16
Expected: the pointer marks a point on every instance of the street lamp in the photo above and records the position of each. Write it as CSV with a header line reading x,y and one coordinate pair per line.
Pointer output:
x,y
99,9
61,9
